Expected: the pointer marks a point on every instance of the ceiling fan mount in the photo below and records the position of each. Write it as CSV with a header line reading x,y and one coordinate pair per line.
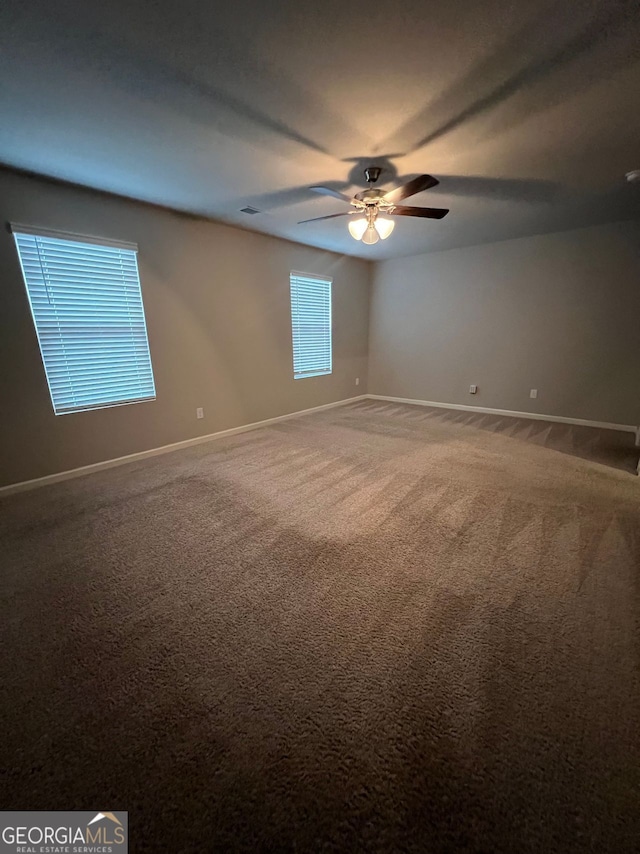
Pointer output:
x,y
375,205
372,173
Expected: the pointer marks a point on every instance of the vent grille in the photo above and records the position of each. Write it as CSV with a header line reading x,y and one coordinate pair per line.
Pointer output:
x,y
249,210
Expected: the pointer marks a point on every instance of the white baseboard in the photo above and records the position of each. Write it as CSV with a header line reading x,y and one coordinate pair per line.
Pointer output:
x,y
24,485
537,416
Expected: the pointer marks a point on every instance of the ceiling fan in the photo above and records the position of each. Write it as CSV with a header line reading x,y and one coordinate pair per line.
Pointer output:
x,y
374,206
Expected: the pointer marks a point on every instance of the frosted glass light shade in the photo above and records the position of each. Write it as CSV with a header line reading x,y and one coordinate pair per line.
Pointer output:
x,y
384,226
370,236
357,227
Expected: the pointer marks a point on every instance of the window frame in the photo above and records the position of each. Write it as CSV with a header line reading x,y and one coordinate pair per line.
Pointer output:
x,y
324,280
18,229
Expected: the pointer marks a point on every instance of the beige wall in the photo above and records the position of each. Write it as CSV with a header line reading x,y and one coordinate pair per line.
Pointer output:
x,y
218,316
558,313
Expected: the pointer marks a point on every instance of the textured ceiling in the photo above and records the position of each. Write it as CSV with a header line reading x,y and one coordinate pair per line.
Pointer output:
x,y
527,112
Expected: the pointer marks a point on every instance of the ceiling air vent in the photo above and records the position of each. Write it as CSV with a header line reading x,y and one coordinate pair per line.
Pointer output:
x,y
249,210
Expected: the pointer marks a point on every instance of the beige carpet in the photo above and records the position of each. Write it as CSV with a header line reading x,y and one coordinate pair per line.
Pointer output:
x,y
372,629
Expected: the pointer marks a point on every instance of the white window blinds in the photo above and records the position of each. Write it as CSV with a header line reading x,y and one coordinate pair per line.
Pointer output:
x,y
311,323
87,309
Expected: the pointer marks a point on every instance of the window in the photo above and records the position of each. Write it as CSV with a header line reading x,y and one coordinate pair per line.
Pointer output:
x,y
311,323
87,309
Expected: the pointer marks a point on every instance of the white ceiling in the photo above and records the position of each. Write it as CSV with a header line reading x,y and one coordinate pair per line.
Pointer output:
x,y
527,112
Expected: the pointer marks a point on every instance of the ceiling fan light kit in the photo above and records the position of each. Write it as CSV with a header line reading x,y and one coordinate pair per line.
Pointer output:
x,y
362,229
375,207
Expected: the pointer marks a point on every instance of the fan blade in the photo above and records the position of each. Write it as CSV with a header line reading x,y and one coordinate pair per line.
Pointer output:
x,y
422,182
429,213
327,191
331,216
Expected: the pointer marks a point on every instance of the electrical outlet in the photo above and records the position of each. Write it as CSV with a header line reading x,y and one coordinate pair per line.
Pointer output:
x,y
357,380
473,389
533,393
199,412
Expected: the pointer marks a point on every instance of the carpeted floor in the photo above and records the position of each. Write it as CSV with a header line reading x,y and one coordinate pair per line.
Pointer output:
x,y
376,628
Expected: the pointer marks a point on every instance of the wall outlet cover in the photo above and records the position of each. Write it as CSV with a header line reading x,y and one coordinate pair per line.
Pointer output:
x,y
473,389
199,412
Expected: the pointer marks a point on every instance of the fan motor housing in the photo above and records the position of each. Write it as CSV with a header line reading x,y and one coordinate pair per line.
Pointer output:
x,y
370,195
